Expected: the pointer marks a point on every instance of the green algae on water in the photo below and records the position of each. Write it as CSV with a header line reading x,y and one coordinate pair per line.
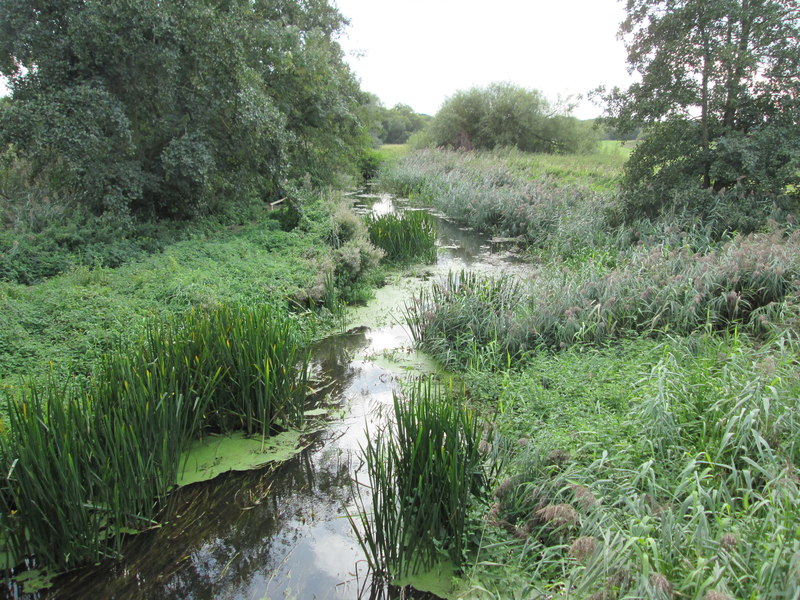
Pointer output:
x,y
215,455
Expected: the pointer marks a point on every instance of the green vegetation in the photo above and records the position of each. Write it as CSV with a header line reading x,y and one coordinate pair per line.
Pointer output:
x,y
391,125
503,115
645,291
495,192
717,101
425,473
168,109
73,319
90,460
405,237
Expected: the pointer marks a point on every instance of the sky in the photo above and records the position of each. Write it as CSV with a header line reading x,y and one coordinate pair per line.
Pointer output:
x,y
419,52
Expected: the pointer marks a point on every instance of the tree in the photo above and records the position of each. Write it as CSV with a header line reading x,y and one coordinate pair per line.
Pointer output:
x,y
503,114
174,108
717,98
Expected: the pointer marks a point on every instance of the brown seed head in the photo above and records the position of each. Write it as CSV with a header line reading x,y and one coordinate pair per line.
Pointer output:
x,y
583,547
714,595
661,585
559,514
504,487
583,496
557,457
728,541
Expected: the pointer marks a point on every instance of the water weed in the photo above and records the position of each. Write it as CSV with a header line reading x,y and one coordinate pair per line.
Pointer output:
x,y
426,471
404,237
89,460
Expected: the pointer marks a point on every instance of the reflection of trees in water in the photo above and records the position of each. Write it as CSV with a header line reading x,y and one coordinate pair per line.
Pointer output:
x,y
468,243
236,529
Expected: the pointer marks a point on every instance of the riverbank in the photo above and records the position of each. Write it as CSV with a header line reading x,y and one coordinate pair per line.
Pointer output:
x,y
644,386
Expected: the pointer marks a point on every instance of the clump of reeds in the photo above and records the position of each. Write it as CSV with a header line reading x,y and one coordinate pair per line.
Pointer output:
x,y
404,237
693,493
746,282
85,462
425,472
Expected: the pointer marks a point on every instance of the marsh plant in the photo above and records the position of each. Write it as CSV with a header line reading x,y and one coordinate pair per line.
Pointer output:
x,y
404,237
690,492
749,282
483,191
90,460
427,470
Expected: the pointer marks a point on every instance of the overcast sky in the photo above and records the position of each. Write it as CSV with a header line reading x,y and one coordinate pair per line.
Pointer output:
x,y
419,52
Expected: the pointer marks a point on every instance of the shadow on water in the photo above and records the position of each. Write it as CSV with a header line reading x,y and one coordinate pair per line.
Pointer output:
x,y
282,532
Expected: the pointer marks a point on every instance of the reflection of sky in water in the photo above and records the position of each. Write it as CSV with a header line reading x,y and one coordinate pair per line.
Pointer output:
x,y
285,535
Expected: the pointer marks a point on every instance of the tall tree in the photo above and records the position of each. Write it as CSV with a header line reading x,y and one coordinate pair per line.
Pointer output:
x,y
502,114
718,97
176,107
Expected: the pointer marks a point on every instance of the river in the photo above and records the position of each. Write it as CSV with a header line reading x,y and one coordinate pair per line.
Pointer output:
x,y
283,532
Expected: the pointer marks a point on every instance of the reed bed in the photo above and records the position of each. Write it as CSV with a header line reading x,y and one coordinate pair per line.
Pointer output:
x,y
426,472
490,192
404,237
90,460
751,281
691,493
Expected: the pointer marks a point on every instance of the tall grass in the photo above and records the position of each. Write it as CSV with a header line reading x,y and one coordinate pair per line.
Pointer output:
x,y
492,194
750,281
425,473
693,493
86,462
404,237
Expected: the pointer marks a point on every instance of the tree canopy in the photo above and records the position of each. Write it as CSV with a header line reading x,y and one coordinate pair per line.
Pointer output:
x,y
171,108
718,97
503,114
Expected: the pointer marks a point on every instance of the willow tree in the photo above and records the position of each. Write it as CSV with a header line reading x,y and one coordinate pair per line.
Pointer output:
x,y
717,96
177,107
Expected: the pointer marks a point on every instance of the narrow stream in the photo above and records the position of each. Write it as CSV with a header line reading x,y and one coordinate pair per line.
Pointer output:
x,y
282,532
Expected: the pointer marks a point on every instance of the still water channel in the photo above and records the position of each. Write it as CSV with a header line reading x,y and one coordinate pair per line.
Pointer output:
x,y
282,532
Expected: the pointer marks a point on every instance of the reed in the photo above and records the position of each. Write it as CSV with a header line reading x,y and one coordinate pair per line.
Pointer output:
x,y
426,471
405,237
87,462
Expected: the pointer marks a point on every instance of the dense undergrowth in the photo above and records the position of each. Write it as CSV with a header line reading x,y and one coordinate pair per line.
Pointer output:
x,y
644,389
67,322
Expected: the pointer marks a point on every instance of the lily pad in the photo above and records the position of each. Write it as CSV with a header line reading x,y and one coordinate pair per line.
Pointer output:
x,y
214,455
439,581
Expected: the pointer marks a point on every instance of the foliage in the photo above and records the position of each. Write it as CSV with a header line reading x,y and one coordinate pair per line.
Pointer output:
x,y
501,115
425,472
390,125
510,194
685,486
748,281
718,100
405,237
175,109
72,319
89,461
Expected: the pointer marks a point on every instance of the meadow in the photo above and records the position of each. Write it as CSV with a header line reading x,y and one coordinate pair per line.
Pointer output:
x,y
637,393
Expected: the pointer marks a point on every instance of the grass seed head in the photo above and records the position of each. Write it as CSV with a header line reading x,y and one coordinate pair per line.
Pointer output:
x,y
559,515
661,585
583,547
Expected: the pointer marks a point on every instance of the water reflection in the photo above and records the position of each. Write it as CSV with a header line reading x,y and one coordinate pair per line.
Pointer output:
x,y
282,533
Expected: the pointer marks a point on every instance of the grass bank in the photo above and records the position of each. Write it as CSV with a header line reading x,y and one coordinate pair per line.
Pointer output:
x,y
643,390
